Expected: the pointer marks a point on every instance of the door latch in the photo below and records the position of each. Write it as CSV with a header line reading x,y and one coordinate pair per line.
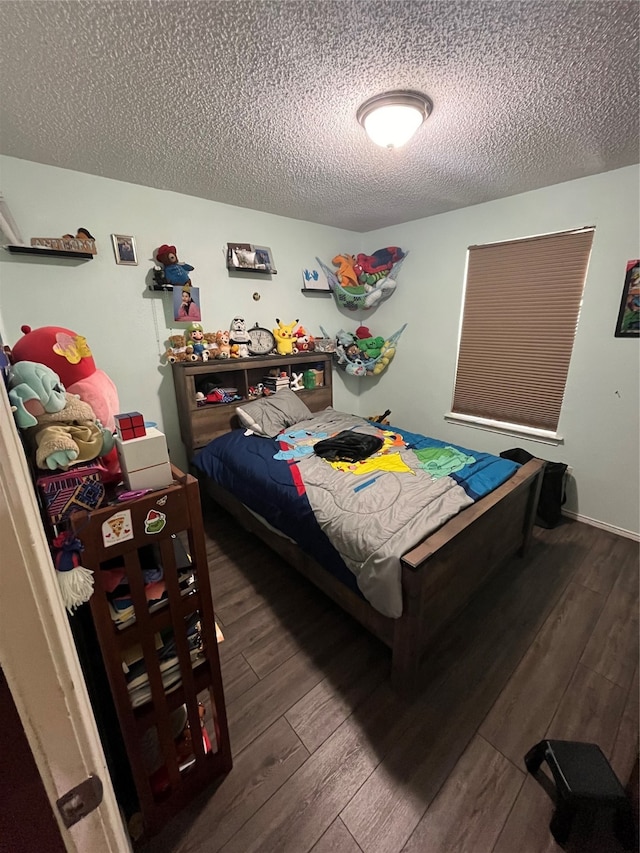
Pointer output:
x,y
79,801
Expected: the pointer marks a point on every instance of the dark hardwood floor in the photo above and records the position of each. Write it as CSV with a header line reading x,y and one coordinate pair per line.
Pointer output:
x,y
327,759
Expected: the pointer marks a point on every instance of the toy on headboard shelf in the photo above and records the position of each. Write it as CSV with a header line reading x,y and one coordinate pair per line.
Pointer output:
x,y
285,340
239,337
174,273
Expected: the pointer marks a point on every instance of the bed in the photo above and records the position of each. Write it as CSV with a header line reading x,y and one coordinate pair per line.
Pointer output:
x,y
401,539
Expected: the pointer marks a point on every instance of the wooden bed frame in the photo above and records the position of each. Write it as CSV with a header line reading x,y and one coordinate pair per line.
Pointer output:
x,y
439,576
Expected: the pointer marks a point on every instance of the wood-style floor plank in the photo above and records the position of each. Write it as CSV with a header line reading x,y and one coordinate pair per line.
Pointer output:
x,y
351,678
537,687
278,646
612,649
591,710
273,695
337,839
466,672
534,806
237,678
601,566
383,773
297,816
625,749
207,823
470,810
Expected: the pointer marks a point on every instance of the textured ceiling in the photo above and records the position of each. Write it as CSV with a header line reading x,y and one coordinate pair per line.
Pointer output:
x,y
254,103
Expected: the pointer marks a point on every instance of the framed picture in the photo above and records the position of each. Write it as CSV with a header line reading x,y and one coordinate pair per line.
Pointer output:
x,y
125,249
250,258
628,324
186,304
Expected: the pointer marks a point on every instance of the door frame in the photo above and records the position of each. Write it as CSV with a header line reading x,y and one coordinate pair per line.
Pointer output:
x,y
39,658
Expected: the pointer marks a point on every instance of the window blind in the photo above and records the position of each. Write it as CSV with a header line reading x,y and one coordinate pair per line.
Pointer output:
x,y
521,307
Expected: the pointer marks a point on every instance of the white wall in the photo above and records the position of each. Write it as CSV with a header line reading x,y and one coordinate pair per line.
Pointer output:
x,y
600,415
126,325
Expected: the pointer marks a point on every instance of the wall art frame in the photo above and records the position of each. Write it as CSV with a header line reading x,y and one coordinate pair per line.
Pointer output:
x,y
628,322
124,248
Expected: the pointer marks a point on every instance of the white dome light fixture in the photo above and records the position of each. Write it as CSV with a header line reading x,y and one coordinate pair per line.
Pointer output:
x,y
391,119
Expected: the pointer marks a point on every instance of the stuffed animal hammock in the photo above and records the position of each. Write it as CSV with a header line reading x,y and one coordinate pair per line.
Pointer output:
x,y
368,357
362,282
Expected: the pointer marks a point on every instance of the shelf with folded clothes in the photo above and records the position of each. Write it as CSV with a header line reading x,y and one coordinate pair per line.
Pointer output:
x,y
159,687
116,583
135,667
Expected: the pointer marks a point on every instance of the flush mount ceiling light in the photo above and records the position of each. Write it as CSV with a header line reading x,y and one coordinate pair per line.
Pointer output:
x,y
392,118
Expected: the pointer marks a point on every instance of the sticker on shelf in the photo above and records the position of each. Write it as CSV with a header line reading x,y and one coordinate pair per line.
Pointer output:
x,y
117,528
162,501
155,521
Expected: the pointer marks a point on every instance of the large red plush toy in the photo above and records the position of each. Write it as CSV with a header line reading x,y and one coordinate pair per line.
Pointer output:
x,y
68,355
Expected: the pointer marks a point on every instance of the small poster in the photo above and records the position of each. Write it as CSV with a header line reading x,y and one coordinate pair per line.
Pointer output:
x,y
628,324
186,305
117,528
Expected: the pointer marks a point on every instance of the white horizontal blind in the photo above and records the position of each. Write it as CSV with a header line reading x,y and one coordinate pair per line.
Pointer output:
x,y
521,309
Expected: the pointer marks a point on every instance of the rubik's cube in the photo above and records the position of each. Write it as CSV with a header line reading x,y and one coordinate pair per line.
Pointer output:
x,y
130,425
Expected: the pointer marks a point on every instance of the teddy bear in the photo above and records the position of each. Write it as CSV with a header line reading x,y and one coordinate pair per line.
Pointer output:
x,y
60,427
177,350
175,273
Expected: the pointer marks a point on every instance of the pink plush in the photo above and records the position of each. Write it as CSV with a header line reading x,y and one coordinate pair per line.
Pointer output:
x,y
68,354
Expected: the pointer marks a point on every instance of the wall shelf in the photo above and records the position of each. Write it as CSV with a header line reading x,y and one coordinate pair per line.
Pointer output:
x,y
51,253
315,291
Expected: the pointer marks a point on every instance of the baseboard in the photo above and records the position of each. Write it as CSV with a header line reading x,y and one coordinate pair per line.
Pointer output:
x,y
620,531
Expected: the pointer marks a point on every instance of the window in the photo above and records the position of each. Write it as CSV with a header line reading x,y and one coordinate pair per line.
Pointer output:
x,y
521,305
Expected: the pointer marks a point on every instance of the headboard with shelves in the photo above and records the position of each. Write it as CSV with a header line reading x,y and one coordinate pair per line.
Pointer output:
x,y
199,424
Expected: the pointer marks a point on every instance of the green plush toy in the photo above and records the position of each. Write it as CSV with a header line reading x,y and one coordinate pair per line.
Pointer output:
x,y
371,347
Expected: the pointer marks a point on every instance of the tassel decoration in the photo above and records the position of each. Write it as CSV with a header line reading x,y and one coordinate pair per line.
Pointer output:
x,y
75,581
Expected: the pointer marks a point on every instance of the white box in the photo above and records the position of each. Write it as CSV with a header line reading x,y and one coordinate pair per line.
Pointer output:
x,y
145,461
154,477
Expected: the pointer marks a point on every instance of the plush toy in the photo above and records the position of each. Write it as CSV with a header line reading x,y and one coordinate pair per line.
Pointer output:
x,y
175,273
371,347
69,355
75,581
60,426
346,274
304,342
284,337
380,262
195,341
239,337
177,349
222,341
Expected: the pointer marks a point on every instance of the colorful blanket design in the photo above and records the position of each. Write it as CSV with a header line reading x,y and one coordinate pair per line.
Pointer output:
x,y
356,527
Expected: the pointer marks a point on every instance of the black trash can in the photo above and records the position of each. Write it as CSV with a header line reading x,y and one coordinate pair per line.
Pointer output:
x,y
552,493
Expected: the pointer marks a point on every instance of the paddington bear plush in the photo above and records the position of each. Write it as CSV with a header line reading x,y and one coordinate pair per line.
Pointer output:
x,y
174,272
